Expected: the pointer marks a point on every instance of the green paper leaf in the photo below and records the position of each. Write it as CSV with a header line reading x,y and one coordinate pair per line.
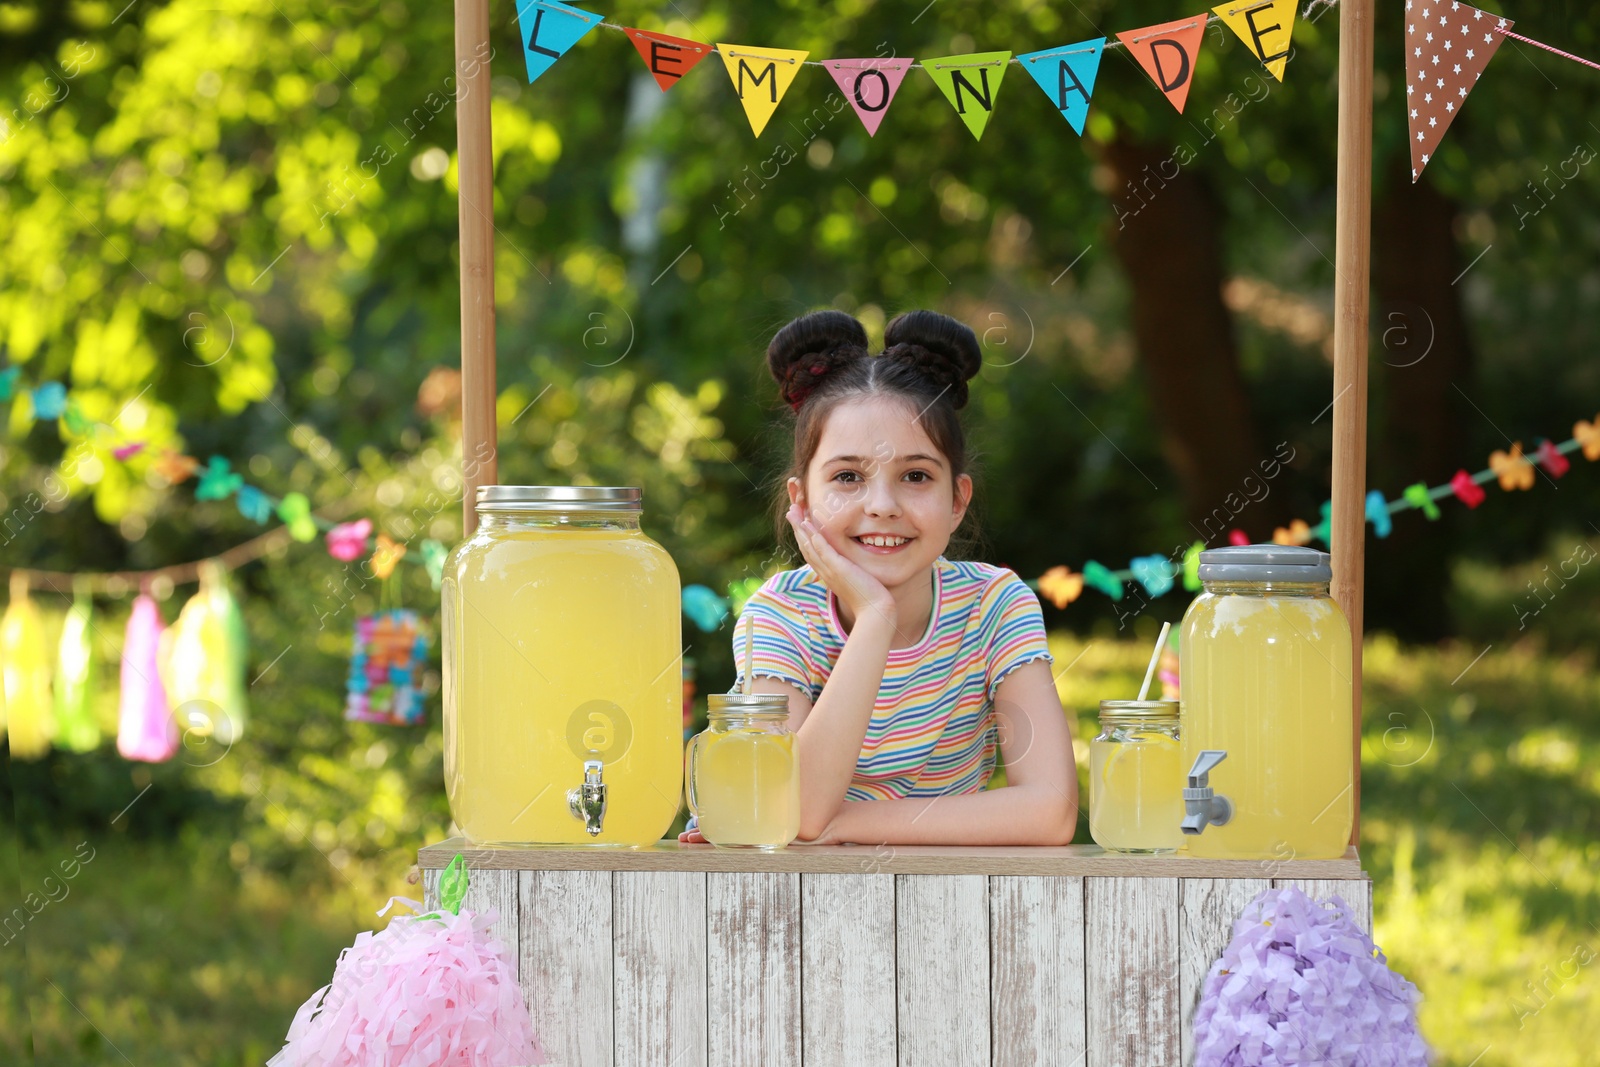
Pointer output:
x,y
453,885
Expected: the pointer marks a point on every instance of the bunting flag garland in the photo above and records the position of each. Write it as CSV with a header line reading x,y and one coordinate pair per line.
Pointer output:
x,y
1168,52
76,727
970,82
145,727
549,29
869,85
761,77
1447,47
668,58
1067,75
1265,27
29,721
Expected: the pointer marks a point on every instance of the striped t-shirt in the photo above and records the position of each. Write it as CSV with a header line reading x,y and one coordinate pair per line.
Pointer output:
x,y
933,729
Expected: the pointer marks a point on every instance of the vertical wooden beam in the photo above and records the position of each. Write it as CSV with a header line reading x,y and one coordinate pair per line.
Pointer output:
x,y
1352,260
475,213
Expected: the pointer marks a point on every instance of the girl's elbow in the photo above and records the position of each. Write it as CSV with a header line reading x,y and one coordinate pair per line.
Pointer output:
x,y
1060,824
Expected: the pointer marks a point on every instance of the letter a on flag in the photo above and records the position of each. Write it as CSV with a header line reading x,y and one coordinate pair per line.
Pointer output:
x,y
1066,75
1264,26
1447,47
1167,52
970,83
869,85
760,76
549,28
669,58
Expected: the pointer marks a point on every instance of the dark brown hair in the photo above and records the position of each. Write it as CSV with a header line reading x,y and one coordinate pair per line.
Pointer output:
x,y
821,359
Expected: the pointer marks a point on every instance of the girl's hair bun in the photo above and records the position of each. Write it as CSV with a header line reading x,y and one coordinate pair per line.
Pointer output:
x,y
806,350
945,350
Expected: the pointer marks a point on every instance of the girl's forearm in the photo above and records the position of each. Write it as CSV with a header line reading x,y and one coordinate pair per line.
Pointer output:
x,y
829,740
1010,815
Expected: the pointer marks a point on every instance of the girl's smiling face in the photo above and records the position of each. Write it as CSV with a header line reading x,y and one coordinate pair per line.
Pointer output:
x,y
881,491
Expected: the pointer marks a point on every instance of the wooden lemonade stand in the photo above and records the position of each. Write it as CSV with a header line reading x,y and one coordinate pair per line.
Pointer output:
x,y
688,955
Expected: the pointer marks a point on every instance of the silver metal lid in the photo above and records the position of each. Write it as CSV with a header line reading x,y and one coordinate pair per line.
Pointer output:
x,y
1265,563
755,705
559,498
1139,710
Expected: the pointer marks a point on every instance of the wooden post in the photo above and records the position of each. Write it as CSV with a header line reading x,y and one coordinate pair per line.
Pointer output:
x,y
475,211
1352,255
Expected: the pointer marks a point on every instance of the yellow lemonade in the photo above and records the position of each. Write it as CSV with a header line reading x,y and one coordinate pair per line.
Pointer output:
x,y
1136,793
744,788
562,646
1267,678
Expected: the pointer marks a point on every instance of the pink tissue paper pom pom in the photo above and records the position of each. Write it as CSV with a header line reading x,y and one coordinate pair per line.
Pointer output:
x,y
425,991
348,540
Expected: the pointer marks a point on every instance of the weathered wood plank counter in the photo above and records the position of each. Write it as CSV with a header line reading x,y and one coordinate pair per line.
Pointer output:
x,y
869,956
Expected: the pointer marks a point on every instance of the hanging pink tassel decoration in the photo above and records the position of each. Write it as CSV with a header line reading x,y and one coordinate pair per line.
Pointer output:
x,y
432,990
145,730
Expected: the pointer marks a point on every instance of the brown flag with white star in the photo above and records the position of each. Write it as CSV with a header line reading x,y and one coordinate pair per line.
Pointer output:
x,y
1447,46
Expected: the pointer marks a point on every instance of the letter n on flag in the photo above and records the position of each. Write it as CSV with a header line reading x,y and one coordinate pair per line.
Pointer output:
x,y
760,76
1167,52
970,82
869,85
549,28
669,58
1447,47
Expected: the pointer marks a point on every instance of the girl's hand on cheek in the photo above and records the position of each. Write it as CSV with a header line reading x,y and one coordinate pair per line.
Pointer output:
x,y
859,591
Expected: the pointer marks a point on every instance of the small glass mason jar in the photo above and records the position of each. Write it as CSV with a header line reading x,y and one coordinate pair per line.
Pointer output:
x,y
742,776
1135,777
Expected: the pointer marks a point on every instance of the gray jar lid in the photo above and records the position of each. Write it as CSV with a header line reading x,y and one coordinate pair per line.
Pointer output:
x,y
1265,563
752,706
559,498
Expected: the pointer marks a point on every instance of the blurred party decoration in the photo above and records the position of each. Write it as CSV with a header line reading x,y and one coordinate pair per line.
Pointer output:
x,y
1168,52
1296,533
77,729
426,990
347,541
49,400
1447,47
1466,489
549,29
1587,434
761,77
386,556
1419,497
971,83
1511,469
176,467
1378,514
705,608
8,382
217,481
741,591
1060,586
25,664
390,647
1301,983
253,504
1099,576
295,511
433,556
145,727
1154,573
207,655
1265,27
1553,462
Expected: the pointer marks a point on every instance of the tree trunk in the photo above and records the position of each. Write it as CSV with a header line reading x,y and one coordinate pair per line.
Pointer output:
x,y
1421,352
1168,238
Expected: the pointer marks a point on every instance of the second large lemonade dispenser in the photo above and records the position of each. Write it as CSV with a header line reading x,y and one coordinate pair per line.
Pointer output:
x,y
1265,663
562,686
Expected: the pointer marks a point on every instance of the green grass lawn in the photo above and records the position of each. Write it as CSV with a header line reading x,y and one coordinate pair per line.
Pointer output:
x,y
1480,827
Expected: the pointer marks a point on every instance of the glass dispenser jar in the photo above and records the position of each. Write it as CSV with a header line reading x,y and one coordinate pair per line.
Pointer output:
x,y
743,779
1264,667
1134,777
562,690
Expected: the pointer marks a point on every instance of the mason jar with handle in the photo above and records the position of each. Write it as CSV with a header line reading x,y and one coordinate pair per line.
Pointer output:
x,y
563,687
1265,678
743,779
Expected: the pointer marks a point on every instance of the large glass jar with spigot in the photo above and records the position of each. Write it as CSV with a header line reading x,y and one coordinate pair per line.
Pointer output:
x,y
1265,677
562,678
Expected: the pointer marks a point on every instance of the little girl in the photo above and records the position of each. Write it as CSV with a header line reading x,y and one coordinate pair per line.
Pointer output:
x,y
904,670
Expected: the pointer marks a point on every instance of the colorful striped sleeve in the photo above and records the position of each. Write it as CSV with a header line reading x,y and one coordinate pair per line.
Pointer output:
x,y
1014,628
779,641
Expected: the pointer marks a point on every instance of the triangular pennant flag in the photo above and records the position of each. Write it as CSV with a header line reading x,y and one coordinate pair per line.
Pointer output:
x,y
970,82
669,58
760,76
869,85
1447,47
1167,52
1066,75
549,28
1264,26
